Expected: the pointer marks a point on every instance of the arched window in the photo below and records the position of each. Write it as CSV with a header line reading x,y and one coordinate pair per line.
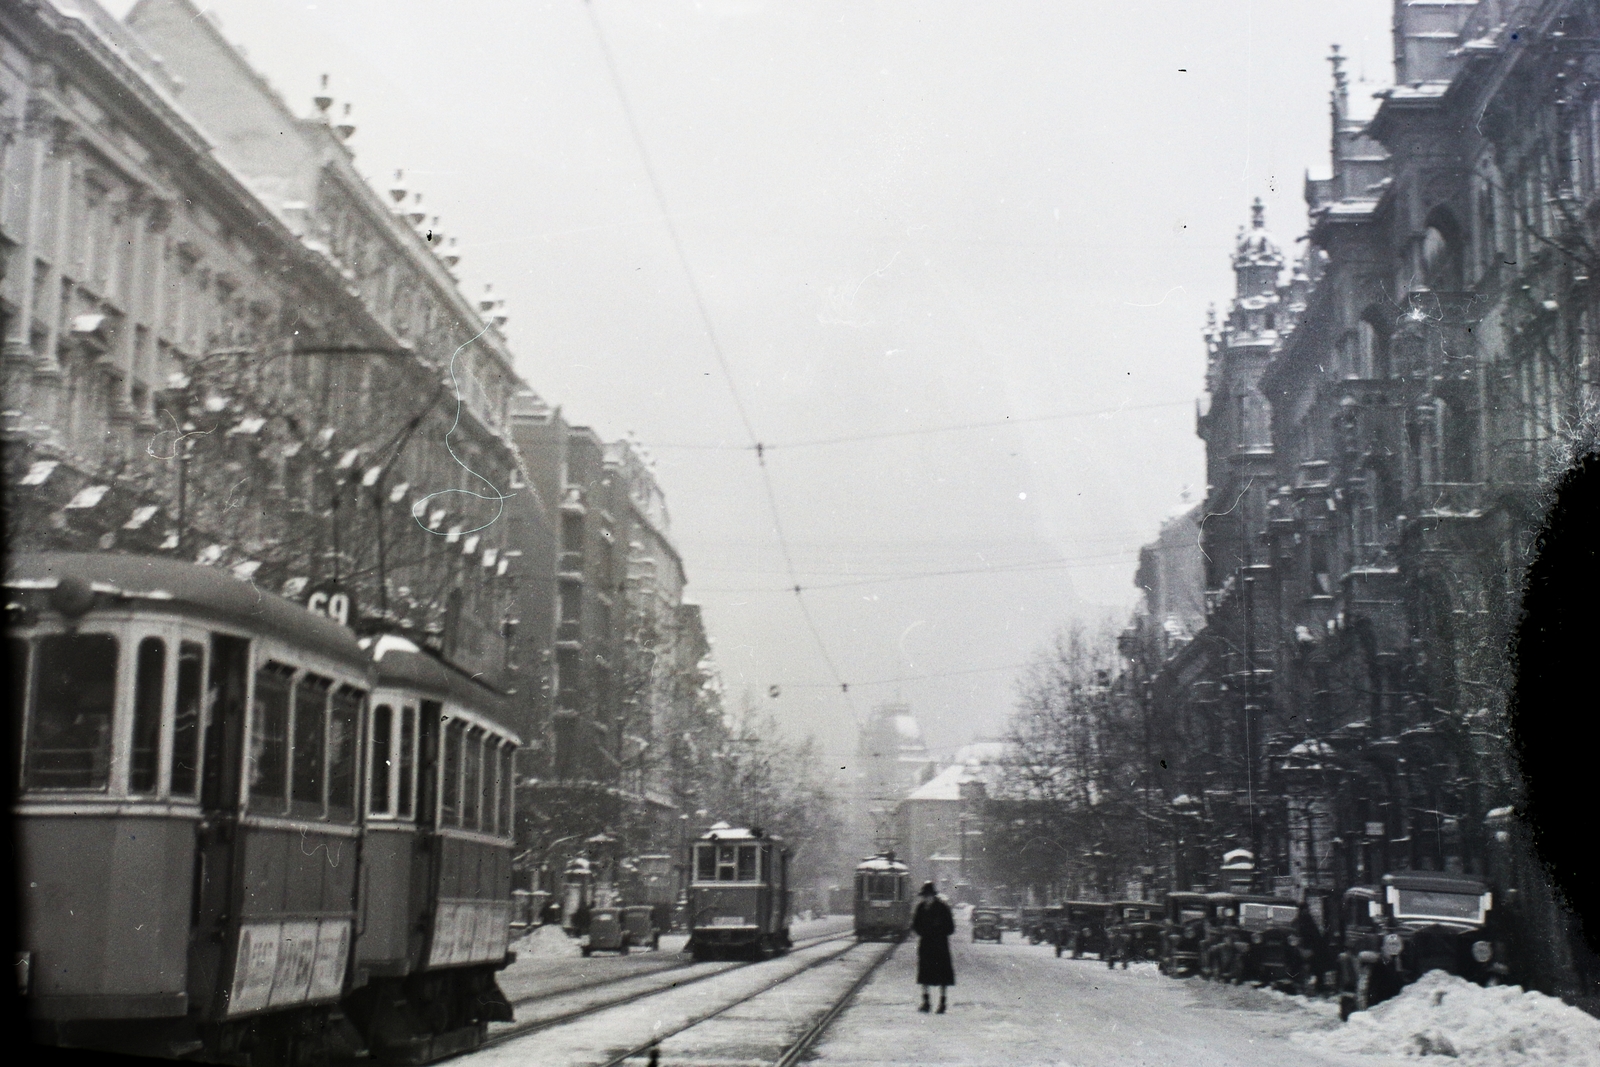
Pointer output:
x,y
1372,348
1441,257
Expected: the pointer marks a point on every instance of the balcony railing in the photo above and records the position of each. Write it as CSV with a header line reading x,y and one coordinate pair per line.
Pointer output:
x,y
1451,498
570,563
572,499
569,630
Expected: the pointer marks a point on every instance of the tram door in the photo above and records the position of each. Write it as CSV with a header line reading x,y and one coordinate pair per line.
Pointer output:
x,y
426,859
221,725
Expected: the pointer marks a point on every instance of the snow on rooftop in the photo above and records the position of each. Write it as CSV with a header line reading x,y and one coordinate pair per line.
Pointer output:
x,y
1443,1015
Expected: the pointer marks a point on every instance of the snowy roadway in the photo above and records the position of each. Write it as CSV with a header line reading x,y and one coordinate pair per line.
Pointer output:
x,y
1016,1005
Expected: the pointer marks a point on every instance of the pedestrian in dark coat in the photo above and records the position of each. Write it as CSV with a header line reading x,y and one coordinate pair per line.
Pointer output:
x,y
934,924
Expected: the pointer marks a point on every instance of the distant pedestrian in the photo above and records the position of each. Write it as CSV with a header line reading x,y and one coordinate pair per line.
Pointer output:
x,y
934,924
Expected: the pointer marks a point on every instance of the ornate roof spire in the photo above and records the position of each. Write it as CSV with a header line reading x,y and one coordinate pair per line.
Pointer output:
x,y
1258,215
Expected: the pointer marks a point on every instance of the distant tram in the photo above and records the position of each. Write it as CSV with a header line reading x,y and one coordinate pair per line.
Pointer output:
x,y
883,899
738,894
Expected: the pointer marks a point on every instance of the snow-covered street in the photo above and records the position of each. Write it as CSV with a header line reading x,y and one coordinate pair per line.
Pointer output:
x,y
1017,1005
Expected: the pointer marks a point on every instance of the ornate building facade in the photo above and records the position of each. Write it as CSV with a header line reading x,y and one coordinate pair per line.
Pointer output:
x,y
1383,417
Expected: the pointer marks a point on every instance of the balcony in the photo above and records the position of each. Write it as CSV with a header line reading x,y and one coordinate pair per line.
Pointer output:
x,y
1313,475
1454,500
572,500
569,566
569,632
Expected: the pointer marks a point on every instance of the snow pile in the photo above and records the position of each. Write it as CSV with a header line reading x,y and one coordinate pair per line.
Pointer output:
x,y
548,941
1443,1015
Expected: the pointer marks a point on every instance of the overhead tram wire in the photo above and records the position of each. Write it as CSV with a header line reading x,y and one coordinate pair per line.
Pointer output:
x,y
1032,566
917,677
924,431
716,349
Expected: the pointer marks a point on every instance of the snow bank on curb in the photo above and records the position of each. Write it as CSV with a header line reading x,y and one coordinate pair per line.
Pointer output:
x,y
546,941
1443,1015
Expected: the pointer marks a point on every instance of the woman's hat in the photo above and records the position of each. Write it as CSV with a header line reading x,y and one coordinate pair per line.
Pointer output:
x,y
928,890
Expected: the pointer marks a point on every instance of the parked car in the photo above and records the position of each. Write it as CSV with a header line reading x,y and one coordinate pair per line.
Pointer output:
x,y
1011,918
1219,942
1416,922
639,925
1030,924
988,925
1275,946
1183,927
606,932
1134,932
1050,924
1083,929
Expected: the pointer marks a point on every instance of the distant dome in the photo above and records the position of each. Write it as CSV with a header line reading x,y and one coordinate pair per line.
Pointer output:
x,y
906,727
1256,245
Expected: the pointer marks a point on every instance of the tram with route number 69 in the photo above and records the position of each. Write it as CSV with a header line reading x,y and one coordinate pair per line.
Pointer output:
x,y
738,894
244,835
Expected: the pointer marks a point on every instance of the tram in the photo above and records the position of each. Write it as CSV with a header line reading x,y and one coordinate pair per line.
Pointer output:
x,y
738,894
243,836
883,899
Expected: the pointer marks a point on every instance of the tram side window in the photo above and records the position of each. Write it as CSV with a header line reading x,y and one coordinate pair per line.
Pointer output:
x,y
450,801
508,789
382,723
186,719
149,686
269,738
408,760
309,752
344,712
472,778
747,863
491,784
69,729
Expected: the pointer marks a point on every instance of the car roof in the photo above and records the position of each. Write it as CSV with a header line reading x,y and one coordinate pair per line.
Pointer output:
x,y
1262,898
1187,897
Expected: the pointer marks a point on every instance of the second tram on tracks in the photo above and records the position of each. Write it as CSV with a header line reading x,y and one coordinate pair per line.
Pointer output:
x,y
244,835
883,899
738,894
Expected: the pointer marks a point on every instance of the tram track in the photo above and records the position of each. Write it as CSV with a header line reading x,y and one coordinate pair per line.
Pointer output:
x,y
796,1049
514,1030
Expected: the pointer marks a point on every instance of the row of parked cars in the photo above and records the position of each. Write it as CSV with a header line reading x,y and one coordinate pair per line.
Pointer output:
x,y
1364,945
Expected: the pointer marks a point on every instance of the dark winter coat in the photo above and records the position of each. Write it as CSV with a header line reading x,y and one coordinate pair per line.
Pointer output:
x,y
934,924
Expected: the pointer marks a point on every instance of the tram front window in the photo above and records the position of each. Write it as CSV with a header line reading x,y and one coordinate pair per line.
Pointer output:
x,y
69,729
880,887
706,863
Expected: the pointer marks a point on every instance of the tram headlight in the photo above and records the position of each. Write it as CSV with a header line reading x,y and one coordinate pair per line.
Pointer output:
x,y
1482,951
1255,939
1392,944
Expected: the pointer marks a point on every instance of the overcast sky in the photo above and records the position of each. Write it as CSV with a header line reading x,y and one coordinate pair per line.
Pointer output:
x,y
902,217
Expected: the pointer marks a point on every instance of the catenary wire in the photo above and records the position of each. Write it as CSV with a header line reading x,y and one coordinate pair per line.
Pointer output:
x,y
716,346
926,430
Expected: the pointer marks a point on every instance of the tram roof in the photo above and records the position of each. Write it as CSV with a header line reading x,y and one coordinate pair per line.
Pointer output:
x,y
402,663
736,833
882,863
169,584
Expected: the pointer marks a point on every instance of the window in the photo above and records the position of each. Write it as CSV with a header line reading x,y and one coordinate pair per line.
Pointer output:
x,y
508,789
344,713
17,672
150,679
269,738
408,760
186,724
705,863
747,863
69,729
490,807
310,742
450,800
1373,351
726,857
471,778
382,723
